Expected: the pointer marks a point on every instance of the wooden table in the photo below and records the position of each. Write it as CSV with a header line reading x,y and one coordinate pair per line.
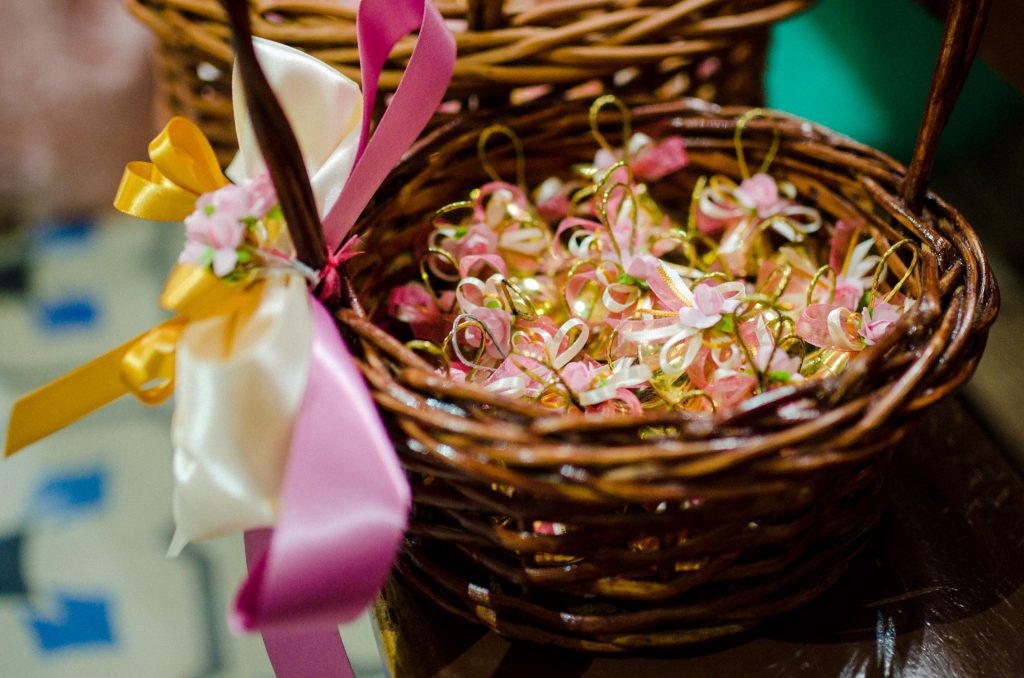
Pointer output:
x,y
936,594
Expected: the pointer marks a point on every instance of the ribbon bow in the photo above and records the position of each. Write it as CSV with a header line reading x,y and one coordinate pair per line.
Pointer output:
x,y
183,167
267,393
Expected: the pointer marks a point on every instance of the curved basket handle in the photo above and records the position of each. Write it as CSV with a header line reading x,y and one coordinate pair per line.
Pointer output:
x,y
964,27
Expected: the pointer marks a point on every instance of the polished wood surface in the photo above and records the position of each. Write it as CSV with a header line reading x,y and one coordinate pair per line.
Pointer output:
x,y
937,592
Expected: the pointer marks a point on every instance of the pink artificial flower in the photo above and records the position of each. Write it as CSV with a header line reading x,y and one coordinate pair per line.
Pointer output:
x,y
841,242
624,399
458,372
708,308
828,326
496,201
499,329
552,199
649,160
412,304
877,320
731,390
579,375
262,195
709,225
479,239
760,193
848,292
657,160
217,223
512,379
475,265
605,388
769,359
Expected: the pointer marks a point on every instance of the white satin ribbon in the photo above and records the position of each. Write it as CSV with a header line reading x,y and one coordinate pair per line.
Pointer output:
x,y
236,405
624,374
234,411
324,109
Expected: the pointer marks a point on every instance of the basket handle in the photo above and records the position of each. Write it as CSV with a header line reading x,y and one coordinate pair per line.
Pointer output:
x,y
964,26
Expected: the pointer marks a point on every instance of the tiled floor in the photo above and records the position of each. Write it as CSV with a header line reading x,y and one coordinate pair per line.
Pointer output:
x,y
85,587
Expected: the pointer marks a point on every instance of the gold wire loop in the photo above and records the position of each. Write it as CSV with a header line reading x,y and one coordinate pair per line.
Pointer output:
x,y
602,212
881,267
698,191
451,207
463,322
737,140
687,396
519,304
569,305
517,144
433,350
785,271
627,122
425,275
824,270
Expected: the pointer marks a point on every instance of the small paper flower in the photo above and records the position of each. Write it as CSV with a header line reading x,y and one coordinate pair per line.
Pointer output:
x,y
829,326
262,196
217,224
709,305
649,160
877,320
412,304
498,323
761,194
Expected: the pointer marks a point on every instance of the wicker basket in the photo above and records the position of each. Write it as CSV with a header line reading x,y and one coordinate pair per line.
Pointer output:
x,y
662,49
679,529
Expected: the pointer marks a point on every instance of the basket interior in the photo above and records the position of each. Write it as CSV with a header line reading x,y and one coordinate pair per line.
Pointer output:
x,y
671,528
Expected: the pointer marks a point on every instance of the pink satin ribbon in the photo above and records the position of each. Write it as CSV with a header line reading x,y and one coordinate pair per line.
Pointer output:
x,y
381,24
344,500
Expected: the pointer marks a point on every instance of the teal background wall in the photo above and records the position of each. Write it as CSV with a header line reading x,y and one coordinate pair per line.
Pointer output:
x,y
863,67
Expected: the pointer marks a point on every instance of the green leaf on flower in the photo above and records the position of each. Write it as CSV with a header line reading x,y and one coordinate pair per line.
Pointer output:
x,y
725,324
627,279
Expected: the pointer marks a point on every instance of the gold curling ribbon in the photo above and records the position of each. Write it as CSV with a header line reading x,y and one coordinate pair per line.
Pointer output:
x,y
183,167
143,366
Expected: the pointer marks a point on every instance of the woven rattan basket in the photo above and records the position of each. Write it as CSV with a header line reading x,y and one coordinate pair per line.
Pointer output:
x,y
679,528
662,49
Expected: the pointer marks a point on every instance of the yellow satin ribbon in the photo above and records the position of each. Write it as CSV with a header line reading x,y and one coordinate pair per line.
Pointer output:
x,y
143,366
183,167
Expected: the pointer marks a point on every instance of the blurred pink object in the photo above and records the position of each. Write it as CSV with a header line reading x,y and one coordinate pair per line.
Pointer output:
x,y
76,100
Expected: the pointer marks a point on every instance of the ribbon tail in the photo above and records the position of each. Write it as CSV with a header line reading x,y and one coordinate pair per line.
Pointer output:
x,y
344,503
66,400
304,653
381,24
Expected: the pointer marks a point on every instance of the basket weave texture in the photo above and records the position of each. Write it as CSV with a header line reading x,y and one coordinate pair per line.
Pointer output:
x,y
679,528
656,49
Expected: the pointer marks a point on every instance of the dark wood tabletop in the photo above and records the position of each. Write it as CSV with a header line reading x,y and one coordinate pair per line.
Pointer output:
x,y
936,594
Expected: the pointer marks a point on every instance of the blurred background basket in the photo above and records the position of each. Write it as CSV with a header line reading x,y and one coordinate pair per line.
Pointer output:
x,y
508,51
673,528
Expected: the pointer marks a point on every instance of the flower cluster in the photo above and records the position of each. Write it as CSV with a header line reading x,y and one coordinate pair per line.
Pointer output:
x,y
585,294
235,228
